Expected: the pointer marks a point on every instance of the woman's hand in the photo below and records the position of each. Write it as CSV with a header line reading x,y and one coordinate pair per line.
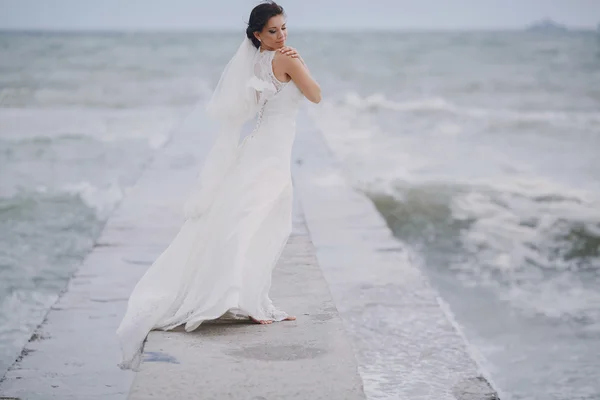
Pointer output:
x,y
289,51
298,71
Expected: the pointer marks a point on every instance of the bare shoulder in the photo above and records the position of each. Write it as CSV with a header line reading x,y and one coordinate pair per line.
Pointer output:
x,y
285,61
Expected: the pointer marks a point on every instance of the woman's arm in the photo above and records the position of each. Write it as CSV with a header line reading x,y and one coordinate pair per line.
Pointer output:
x,y
292,52
298,71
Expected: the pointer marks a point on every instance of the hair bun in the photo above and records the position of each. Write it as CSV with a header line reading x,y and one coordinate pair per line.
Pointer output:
x,y
259,16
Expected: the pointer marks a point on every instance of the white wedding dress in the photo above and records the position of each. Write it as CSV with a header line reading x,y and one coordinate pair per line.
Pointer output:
x,y
221,260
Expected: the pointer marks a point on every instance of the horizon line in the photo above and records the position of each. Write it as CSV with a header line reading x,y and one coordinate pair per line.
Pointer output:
x,y
303,30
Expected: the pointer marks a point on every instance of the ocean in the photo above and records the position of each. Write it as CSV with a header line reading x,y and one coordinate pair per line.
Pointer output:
x,y
480,149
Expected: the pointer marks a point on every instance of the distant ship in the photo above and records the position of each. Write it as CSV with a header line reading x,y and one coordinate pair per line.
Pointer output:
x,y
547,25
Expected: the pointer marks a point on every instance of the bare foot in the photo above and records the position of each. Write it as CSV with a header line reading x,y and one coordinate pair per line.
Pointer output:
x,y
268,321
261,321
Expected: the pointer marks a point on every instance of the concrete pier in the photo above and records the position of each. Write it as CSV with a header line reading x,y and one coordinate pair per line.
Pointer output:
x,y
369,324
310,358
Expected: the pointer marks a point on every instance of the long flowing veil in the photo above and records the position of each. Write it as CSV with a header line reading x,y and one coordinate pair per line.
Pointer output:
x,y
233,102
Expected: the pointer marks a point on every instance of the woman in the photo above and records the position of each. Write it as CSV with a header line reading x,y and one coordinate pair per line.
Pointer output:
x,y
240,216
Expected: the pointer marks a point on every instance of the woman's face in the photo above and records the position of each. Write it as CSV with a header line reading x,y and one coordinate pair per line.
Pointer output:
x,y
274,33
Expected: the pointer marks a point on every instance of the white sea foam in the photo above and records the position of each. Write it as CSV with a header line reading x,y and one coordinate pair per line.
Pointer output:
x,y
363,147
533,245
379,100
109,125
101,199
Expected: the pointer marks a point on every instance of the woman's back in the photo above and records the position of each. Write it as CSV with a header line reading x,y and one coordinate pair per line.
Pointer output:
x,y
276,99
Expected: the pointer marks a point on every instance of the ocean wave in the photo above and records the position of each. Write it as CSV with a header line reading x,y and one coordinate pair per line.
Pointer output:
x,y
439,104
102,200
73,88
540,250
154,125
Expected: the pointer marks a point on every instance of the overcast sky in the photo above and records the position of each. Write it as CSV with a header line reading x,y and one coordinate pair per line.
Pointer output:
x,y
302,14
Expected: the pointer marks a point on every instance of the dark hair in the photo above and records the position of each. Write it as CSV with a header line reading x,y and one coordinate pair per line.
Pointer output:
x,y
259,16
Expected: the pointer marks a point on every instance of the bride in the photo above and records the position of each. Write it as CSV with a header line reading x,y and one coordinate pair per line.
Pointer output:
x,y
239,217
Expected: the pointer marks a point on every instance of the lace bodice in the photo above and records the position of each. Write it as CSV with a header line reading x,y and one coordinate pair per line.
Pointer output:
x,y
275,98
263,69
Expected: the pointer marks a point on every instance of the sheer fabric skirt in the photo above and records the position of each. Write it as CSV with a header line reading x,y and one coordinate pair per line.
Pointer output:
x,y
221,261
